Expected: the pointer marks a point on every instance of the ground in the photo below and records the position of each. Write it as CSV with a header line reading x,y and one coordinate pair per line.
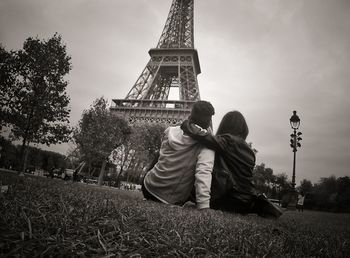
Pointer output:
x,y
52,217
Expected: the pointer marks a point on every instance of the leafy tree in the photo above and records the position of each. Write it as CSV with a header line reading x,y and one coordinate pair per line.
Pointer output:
x,y
258,175
150,137
8,154
283,188
7,79
343,194
74,157
329,194
263,178
37,159
305,186
33,88
133,157
329,184
282,184
98,133
325,192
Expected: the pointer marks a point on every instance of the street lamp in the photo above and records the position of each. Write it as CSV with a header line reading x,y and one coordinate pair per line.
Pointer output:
x,y
295,140
294,121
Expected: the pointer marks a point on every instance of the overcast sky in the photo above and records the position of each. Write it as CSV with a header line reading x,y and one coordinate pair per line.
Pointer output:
x,y
264,58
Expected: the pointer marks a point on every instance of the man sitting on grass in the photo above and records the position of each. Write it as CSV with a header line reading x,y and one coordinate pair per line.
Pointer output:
x,y
182,164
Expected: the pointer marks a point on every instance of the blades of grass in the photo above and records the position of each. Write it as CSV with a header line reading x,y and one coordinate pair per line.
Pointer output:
x,y
101,240
178,235
29,224
19,247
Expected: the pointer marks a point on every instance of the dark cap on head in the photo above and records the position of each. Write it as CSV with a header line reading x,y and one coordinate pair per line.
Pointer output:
x,y
201,113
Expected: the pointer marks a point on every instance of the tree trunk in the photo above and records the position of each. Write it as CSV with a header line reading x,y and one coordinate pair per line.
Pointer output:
x,y
25,142
21,155
102,173
118,177
26,153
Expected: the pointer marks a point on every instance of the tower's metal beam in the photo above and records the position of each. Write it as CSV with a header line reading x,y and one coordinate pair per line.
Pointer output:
x,y
173,63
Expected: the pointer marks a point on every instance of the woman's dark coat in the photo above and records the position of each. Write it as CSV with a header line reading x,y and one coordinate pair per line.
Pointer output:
x,y
232,186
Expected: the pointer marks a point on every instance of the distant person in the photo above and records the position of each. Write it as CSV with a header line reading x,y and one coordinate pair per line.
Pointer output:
x,y
64,174
75,175
232,186
300,203
182,164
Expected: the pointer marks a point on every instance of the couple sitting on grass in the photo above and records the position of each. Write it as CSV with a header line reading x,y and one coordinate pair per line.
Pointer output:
x,y
213,171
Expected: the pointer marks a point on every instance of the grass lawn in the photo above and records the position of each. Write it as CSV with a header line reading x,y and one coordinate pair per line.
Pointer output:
x,y
51,217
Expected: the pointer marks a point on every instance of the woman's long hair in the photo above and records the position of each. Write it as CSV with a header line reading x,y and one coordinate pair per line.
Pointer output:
x,y
233,123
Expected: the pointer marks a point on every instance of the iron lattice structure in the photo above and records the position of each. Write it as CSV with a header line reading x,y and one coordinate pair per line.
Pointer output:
x,y
174,64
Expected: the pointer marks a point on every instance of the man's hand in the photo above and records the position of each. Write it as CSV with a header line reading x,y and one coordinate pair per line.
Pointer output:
x,y
198,130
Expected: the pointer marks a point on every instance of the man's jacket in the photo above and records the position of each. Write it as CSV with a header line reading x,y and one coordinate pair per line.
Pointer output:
x,y
183,163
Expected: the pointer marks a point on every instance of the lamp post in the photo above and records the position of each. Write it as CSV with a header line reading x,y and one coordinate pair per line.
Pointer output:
x,y
294,144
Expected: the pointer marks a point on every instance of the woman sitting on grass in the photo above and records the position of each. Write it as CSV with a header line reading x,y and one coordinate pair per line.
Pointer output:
x,y
232,186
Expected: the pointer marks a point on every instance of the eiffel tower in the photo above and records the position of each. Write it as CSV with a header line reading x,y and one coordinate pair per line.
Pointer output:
x,y
173,66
